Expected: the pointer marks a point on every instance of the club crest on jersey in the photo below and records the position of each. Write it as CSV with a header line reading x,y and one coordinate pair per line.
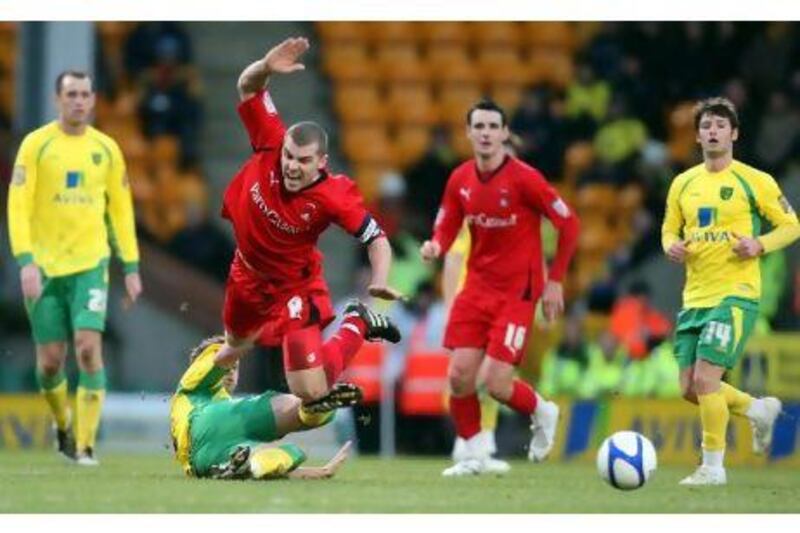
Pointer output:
x,y
97,158
465,192
725,192
504,198
308,212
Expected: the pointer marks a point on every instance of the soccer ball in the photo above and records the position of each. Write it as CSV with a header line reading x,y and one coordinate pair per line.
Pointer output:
x,y
626,460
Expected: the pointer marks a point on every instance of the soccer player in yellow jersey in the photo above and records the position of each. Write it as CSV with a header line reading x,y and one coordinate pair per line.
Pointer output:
x,y
216,436
69,196
713,224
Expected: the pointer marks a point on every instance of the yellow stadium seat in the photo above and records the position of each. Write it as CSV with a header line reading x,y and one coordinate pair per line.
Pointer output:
x,y
549,34
502,65
507,96
400,62
410,142
348,62
681,134
435,33
368,178
411,104
359,102
367,144
333,32
551,66
459,140
164,152
455,101
502,33
578,158
394,31
597,198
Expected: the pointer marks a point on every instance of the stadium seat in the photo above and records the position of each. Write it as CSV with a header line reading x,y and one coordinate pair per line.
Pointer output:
x,y
454,102
681,135
410,142
359,103
502,65
495,34
164,152
423,384
336,32
508,96
551,66
365,371
7,95
597,198
411,105
348,62
557,35
459,140
578,158
368,177
367,144
400,62
394,31
443,32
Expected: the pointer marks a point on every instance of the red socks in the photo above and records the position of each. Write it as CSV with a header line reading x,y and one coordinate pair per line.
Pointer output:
x,y
466,413
340,349
523,399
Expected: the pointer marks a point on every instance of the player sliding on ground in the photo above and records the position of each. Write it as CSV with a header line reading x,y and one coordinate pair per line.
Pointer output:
x,y
713,225
502,201
279,203
218,437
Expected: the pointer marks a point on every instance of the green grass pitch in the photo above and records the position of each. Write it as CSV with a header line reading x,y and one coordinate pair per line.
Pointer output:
x,y
39,482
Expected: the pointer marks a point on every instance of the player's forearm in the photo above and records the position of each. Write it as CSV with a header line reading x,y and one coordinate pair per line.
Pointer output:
x,y
380,260
253,78
19,227
780,237
453,262
123,227
567,244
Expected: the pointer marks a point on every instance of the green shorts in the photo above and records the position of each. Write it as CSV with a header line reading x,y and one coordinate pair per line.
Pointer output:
x,y
217,428
69,303
715,334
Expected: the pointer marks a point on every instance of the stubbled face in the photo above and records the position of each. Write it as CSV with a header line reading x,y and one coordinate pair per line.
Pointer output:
x,y
75,101
300,164
231,379
487,133
715,135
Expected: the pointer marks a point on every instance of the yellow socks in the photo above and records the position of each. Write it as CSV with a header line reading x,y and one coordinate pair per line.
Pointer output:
x,y
266,463
89,404
314,420
738,401
714,417
54,390
490,409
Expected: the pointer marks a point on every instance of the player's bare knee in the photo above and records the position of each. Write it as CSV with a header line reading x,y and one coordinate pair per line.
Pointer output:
x,y
49,366
50,358
87,350
461,378
702,384
308,392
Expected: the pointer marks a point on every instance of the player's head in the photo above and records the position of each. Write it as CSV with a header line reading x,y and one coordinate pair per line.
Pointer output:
x,y
74,97
215,342
304,155
487,129
716,125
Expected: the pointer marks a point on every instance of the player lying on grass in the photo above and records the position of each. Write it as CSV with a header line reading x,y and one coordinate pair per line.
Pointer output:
x,y
216,436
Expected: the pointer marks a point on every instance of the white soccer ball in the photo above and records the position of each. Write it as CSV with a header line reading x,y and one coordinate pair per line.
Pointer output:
x,y
626,460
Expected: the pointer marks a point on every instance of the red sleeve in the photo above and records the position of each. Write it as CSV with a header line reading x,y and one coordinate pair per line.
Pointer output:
x,y
540,195
352,216
264,125
450,215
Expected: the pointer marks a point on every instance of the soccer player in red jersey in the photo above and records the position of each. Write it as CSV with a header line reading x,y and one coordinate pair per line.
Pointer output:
x,y
279,203
502,200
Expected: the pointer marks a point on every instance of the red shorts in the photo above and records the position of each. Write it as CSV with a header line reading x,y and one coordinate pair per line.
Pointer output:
x,y
497,322
253,303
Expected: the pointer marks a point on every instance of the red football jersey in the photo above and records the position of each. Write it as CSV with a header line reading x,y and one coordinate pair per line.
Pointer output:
x,y
277,230
503,212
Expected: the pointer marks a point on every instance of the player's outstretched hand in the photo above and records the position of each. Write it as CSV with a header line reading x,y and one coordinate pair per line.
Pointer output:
x,y
323,472
133,288
282,58
678,252
747,247
430,250
552,300
384,292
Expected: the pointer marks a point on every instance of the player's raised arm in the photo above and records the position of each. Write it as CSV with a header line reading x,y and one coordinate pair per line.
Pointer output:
x,y
282,59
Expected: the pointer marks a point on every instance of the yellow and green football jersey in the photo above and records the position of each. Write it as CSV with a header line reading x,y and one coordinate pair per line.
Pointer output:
x,y
199,385
706,209
63,191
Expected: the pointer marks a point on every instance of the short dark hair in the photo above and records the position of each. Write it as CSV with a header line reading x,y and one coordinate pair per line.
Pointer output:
x,y
717,106
305,133
200,348
79,74
486,104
